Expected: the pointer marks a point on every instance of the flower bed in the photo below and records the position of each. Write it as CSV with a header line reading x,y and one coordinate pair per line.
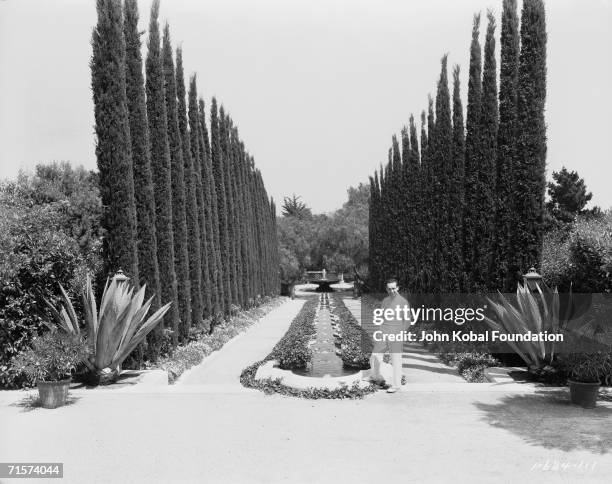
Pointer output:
x,y
192,354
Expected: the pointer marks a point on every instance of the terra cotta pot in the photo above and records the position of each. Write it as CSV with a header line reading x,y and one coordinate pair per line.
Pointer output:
x,y
584,394
53,393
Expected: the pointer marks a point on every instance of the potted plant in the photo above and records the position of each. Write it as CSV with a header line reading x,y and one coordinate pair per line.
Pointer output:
x,y
584,370
50,363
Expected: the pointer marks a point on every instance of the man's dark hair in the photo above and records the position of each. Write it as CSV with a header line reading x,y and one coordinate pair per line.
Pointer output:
x,y
391,280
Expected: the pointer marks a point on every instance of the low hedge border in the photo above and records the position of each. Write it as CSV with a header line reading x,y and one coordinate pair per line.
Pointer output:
x,y
271,386
356,346
193,353
292,350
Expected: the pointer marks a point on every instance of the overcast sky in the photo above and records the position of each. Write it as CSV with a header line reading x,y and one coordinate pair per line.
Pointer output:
x,y
316,87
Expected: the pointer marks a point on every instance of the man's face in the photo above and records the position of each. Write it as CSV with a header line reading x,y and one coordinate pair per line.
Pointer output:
x,y
392,288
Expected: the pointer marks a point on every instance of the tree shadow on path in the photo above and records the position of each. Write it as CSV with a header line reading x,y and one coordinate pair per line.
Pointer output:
x,y
549,420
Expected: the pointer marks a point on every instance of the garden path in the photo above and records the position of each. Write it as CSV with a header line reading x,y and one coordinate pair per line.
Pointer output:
x,y
420,366
222,368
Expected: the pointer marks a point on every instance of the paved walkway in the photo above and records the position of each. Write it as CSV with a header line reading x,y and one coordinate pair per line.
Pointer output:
x,y
420,366
222,368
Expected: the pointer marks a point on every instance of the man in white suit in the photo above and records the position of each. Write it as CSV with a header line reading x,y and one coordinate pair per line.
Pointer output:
x,y
391,326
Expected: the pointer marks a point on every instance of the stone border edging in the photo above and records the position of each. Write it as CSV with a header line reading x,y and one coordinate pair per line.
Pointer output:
x,y
269,370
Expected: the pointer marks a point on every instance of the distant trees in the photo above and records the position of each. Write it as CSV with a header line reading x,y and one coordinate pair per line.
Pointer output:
x,y
336,241
183,211
568,197
294,207
478,219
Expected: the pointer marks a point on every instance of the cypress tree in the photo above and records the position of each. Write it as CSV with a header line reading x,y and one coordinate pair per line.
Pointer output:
x,y
470,216
212,220
160,162
244,235
415,188
456,189
487,167
531,145
424,250
405,146
191,206
502,266
113,146
229,198
237,228
443,165
406,211
423,136
415,158
179,216
217,133
196,154
373,263
148,268
431,196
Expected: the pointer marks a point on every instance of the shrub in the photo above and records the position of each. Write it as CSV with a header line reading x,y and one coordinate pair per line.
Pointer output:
x,y
588,367
35,256
356,346
580,257
49,234
292,351
53,357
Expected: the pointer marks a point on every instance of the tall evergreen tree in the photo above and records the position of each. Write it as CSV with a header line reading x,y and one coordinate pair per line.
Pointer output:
x,y
456,189
148,268
113,146
235,149
423,276
191,205
502,265
212,221
217,133
472,151
415,189
243,211
226,129
179,215
443,166
487,167
531,146
160,162
200,185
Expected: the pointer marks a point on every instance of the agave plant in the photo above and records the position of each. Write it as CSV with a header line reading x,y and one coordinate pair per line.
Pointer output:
x,y
116,328
532,313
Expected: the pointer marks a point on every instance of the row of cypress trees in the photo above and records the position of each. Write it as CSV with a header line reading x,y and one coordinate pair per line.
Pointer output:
x,y
462,208
185,210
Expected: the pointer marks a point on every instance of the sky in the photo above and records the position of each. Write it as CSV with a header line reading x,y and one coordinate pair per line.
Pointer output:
x,y
316,87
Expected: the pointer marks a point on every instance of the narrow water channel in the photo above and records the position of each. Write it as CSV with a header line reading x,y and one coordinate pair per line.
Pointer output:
x,y
325,361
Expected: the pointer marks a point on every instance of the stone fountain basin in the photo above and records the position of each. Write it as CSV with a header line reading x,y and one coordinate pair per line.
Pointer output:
x,y
271,370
